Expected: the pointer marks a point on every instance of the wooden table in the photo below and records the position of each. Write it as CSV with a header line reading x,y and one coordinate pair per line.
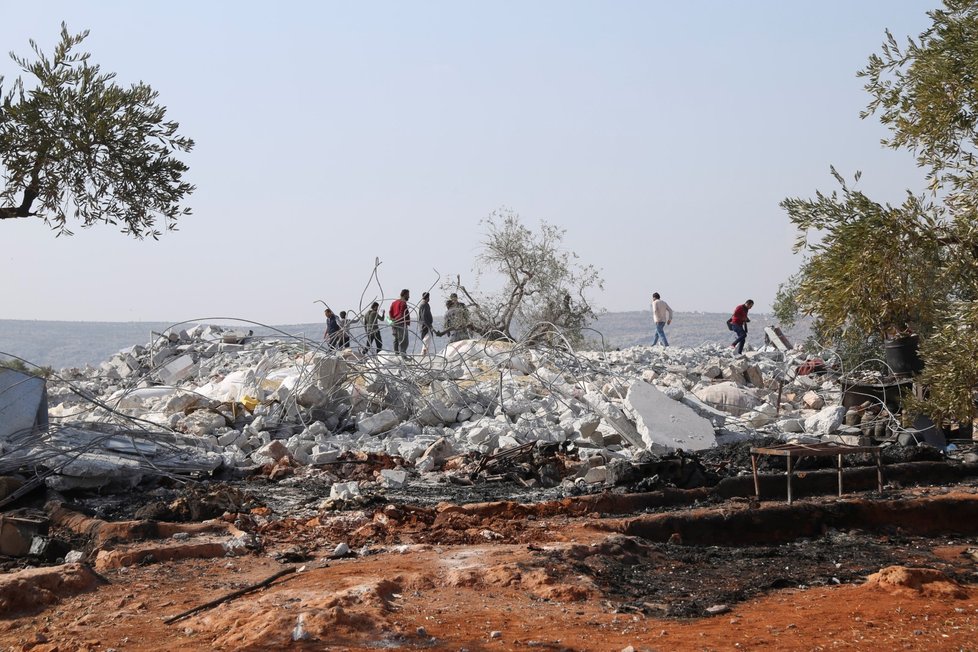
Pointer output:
x,y
794,451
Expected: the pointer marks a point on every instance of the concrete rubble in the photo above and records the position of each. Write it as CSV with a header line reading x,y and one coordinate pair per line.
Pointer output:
x,y
208,399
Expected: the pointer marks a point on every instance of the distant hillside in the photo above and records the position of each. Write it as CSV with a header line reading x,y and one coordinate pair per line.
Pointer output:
x,y
74,344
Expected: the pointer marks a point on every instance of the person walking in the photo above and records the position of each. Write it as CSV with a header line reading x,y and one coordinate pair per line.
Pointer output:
x,y
427,325
738,324
400,316
662,316
331,336
371,327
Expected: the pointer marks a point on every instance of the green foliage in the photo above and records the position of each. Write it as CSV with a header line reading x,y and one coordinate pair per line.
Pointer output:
x,y
544,285
951,374
785,307
926,92
16,364
872,270
74,143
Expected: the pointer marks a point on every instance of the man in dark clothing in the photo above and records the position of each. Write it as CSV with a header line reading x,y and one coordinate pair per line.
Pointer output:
x,y
332,334
427,325
738,323
401,321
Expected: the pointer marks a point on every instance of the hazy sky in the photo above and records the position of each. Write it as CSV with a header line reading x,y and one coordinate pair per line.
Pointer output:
x,y
660,135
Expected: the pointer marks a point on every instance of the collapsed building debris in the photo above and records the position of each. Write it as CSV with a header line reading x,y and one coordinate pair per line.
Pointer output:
x,y
207,398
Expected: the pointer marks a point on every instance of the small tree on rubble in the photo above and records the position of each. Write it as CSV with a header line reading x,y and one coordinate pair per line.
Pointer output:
x,y
545,287
75,143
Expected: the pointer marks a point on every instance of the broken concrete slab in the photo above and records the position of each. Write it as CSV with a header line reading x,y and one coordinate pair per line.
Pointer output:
x,y
176,370
667,424
378,423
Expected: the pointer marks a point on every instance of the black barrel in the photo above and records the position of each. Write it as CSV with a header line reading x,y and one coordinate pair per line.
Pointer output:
x,y
901,355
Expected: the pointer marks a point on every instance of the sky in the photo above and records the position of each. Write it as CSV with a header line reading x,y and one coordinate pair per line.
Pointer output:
x,y
660,135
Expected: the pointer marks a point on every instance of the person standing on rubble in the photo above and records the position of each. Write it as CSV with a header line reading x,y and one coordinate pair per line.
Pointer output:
x,y
456,324
331,336
662,316
738,324
344,334
427,325
371,326
400,316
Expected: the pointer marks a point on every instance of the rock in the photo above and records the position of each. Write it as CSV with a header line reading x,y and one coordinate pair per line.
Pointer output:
x,y
311,396
717,609
615,418
378,423
754,376
716,417
342,550
826,421
393,478
813,401
271,453
596,474
176,370
727,397
666,424
792,425
344,491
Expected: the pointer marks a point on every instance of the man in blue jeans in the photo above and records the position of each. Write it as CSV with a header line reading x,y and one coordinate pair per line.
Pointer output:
x,y
738,324
661,315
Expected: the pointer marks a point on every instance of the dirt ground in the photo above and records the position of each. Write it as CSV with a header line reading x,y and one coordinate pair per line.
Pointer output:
x,y
566,574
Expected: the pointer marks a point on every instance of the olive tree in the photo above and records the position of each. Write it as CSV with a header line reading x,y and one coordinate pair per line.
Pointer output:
x,y
544,286
76,144
873,269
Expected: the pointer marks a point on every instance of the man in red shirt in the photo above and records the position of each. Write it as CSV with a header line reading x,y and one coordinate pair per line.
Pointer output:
x,y
738,323
400,316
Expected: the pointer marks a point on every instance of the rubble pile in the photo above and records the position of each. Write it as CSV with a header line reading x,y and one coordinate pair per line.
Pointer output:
x,y
210,398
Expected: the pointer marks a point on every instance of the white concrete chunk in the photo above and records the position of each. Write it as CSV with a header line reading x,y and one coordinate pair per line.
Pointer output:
x,y
378,423
826,421
668,424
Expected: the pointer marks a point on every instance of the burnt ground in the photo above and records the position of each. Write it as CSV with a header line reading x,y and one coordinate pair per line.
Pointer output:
x,y
442,565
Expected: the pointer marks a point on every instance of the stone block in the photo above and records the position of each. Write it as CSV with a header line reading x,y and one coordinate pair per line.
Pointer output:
x,y
344,491
812,400
716,417
667,424
320,454
826,421
310,396
378,423
792,425
754,376
176,370
596,474
393,478
270,453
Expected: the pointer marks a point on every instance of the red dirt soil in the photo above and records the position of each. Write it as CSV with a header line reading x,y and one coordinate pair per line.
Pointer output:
x,y
455,596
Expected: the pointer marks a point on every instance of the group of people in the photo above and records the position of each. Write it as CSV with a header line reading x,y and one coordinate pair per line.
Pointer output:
x,y
457,325
662,317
